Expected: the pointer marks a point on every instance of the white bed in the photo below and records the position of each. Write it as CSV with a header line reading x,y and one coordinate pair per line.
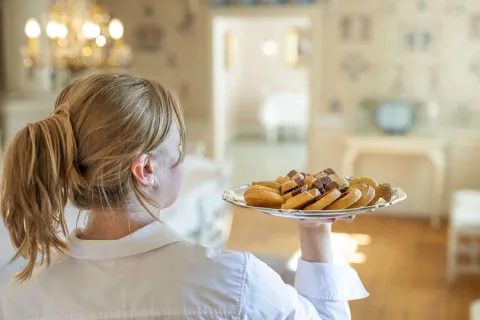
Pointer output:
x,y
284,110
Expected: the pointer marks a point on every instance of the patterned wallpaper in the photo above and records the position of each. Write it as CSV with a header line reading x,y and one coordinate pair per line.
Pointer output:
x,y
418,49
167,43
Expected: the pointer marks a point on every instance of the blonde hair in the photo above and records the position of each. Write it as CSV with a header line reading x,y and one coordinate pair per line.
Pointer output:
x,y
82,153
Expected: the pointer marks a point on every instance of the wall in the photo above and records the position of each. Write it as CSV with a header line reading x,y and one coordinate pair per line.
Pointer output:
x,y
179,62
442,72
15,15
255,74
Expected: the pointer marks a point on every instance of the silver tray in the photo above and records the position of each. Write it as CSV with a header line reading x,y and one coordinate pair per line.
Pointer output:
x,y
235,197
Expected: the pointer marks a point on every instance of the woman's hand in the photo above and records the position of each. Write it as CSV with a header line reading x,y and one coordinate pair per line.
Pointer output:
x,y
316,240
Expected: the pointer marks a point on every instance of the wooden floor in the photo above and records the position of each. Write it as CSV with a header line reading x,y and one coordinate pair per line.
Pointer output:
x,y
404,270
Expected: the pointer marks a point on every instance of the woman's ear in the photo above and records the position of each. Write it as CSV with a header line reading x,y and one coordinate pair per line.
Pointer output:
x,y
141,169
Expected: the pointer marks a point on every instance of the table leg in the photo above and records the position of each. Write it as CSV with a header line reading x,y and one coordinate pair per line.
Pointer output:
x,y
437,159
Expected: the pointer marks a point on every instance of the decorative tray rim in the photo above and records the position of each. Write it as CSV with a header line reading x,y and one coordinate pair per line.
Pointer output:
x,y
230,196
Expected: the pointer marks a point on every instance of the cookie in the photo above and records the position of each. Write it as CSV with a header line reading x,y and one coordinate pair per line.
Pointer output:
x,y
265,199
341,184
383,191
270,184
325,200
319,186
295,192
368,193
301,200
280,180
367,180
309,180
347,198
254,188
291,184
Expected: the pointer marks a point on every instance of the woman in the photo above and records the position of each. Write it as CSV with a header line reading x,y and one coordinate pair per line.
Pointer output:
x,y
114,147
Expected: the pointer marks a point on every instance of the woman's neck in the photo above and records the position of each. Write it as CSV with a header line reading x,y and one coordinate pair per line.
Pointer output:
x,y
113,225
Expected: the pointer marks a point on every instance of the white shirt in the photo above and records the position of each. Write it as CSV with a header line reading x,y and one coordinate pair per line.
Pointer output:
x,y
154,274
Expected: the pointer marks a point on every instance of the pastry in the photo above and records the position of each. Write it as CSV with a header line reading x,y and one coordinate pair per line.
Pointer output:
x,y
372,183
291,184
347,198
254,188
262,198
325,200
301,200
341,184
295,192
368,193
309,180
383,191
270,184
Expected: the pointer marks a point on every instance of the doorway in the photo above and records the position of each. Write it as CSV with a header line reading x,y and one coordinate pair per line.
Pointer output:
x,y
261,94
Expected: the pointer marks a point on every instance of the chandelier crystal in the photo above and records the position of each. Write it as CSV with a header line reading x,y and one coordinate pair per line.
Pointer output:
x,y
81,35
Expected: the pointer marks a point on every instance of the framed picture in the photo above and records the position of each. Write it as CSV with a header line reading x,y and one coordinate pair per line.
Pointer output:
x,y
298,47
418,38
148,37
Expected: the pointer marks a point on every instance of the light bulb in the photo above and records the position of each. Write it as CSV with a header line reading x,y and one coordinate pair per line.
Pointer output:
x,y
52,29
62,31
101,41
269,48
115,28
32,29
90,30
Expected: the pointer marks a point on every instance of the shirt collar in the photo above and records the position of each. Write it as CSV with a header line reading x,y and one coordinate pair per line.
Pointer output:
x,y
155,235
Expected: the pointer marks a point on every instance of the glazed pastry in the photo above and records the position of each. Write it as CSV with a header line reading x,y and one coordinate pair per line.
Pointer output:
x,y
347,198
341,184
291,184
325,200
369,181
383,191
309,180
270,184
255,188
262,198
295,192
368,193
301,200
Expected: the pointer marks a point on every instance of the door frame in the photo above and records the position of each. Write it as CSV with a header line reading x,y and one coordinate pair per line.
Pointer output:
x,y
315,13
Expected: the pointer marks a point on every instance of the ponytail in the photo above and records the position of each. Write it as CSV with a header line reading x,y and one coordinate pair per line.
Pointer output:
x,y
38,169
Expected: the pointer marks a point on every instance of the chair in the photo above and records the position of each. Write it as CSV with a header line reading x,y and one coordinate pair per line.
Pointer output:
x,y
464,222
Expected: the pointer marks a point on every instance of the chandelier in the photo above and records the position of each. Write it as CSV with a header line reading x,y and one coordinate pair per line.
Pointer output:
x,y
80,35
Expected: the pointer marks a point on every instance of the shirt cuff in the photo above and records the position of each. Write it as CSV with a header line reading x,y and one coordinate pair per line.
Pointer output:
x,y
328,282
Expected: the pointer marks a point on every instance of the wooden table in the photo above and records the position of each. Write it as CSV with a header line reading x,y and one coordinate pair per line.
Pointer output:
x,y
431,148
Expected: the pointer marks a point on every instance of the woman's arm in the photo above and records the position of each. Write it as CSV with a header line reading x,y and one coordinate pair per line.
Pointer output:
x,y
315,242
322,289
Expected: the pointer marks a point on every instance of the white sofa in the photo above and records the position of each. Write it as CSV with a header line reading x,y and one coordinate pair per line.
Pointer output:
x,y
284,110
